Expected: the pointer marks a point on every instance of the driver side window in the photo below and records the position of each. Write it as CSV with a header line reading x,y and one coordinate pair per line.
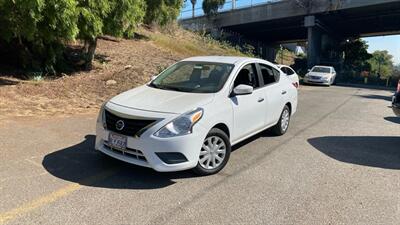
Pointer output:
x,y
248,76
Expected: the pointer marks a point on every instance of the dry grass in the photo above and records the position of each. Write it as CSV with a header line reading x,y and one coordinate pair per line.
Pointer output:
x,y
129,62
190,44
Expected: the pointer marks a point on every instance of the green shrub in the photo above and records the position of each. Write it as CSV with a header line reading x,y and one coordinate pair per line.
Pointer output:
x,y
37,31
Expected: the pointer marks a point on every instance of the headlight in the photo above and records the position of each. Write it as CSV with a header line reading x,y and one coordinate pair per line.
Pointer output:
x,y
180,126
102,116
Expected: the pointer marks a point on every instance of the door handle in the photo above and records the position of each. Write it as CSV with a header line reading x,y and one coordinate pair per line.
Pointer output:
x,y
283,92
260,99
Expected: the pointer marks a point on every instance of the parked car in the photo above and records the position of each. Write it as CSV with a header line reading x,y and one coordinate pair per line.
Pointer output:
x,y
396,100
324,75
191,114
291,74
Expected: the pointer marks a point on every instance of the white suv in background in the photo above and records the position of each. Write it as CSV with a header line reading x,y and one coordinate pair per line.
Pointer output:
x,y
191,114
320,75
291,74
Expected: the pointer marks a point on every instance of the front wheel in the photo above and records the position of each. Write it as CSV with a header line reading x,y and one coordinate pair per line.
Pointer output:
x,y
283,124
214,153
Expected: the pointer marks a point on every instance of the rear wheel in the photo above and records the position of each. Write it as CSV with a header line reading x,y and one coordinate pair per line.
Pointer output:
x,y
283,124
214,153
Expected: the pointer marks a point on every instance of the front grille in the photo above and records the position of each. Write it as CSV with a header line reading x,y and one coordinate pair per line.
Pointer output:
x,y
129,152
131,126
315,77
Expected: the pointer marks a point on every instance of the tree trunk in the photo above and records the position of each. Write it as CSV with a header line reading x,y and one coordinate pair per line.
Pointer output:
x,y
92,44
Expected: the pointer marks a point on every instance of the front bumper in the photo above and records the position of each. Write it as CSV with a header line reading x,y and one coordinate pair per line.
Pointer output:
x,y
315,81
142,150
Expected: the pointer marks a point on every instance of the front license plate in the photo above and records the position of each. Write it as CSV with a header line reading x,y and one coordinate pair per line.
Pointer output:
x,y
117,141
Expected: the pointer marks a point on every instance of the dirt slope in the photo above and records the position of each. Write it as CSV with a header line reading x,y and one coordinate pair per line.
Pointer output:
x,y
129,62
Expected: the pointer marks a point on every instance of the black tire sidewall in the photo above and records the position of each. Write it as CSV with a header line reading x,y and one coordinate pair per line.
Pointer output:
x,y
278,128
215,132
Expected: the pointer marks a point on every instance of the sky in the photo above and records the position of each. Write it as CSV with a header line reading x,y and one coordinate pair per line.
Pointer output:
x,y
390,43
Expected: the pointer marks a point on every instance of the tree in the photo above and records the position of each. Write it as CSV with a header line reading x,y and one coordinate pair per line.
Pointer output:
x,y
38,30
210,7
356,55
162,11
97,17
381,64
35,30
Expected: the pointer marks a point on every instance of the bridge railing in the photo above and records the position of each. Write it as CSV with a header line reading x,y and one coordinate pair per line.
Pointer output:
x,y
186,11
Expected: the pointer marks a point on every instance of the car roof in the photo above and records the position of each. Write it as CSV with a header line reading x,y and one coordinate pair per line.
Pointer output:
x,y
222,59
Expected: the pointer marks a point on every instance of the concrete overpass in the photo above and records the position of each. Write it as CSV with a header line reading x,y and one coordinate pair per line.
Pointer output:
x,y
323,24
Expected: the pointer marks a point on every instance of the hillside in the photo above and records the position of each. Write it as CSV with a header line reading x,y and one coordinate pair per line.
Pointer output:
x,y
128,62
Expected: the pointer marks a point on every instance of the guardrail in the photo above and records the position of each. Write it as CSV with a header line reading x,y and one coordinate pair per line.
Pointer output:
x,y
186,12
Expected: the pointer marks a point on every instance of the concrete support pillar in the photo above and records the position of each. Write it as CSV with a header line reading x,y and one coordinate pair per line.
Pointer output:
x,y
313,41
313,46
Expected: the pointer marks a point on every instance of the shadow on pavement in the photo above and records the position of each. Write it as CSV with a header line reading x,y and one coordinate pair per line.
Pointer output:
x,y
379,97
82,164
393,119
374,151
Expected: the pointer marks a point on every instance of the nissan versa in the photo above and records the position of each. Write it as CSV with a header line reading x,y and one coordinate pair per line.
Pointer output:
x,y
190,115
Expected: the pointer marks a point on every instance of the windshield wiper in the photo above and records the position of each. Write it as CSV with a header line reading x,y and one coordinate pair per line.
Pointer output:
x,y
155,85
167,87
174,88
163,87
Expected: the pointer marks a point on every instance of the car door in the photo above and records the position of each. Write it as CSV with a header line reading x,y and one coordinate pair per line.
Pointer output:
x,y
291,75
273,93
248,110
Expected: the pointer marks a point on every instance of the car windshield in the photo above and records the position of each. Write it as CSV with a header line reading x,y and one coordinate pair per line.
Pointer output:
x,y
196,77
321,69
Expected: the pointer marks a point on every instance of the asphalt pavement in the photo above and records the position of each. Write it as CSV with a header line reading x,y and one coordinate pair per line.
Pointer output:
x,y
338,164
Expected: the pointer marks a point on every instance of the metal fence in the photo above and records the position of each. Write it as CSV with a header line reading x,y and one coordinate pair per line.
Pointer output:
x,y
186,12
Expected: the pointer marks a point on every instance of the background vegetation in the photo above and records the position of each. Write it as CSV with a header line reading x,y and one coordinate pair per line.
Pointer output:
x,y
34,34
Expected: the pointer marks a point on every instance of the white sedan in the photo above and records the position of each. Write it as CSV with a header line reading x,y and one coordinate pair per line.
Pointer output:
x,y
291,74
325,75
191,114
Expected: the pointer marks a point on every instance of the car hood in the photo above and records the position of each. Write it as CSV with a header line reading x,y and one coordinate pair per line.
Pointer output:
x,y
158,100
319,74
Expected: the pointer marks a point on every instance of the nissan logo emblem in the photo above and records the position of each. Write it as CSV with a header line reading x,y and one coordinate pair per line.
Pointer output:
x,y
119,125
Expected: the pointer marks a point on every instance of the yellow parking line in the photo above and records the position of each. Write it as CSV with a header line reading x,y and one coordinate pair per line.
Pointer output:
x,y
52,197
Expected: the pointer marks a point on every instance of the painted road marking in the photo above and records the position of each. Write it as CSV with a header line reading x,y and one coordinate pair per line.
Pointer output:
x,y
52,197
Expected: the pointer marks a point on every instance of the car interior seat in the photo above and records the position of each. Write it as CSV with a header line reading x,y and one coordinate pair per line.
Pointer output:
x,y
243,78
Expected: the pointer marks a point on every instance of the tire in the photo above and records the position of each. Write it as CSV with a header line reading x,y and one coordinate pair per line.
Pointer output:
x,y
279,129
223,151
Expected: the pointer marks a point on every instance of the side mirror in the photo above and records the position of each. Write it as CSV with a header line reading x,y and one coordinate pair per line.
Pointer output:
x,y
243,89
